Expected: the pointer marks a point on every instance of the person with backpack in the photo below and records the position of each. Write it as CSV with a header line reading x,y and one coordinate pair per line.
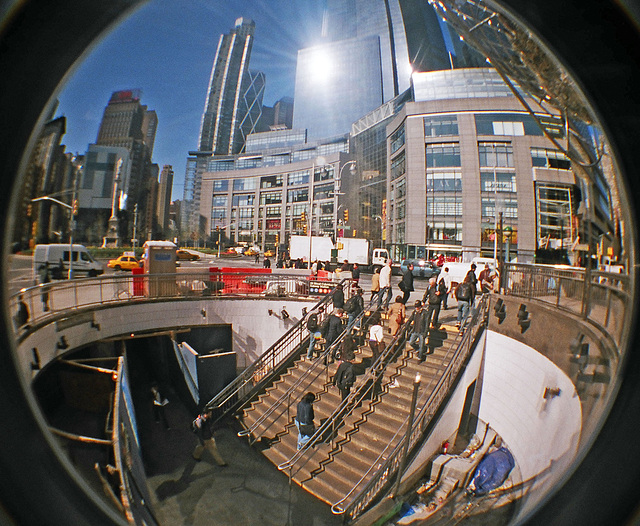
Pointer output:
x,y
345,376
304,419
338,297
201,426
419,329
434,297
313,326
465,296
331,329
353,307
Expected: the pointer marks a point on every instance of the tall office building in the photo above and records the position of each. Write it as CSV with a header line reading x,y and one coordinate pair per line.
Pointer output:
x,y
234,97
371,49
232,111
164,198
126,123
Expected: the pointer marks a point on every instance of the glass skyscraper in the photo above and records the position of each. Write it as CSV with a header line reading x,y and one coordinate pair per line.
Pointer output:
x,y
232,110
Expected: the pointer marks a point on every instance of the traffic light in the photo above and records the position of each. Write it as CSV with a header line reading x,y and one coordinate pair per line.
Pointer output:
x,y
304,228
74,210
345,215
304,215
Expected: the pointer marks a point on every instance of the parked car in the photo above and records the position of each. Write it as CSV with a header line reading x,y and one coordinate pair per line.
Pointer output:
x,y
124,263
186,255
421,268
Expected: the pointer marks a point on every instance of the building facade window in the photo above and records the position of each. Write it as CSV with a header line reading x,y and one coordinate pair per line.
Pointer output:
x,y
495,181
219,200
446,232
324,191
271,181
545,158
440,126
221,185
554,205
444,206
398,166
296,178
515,124
246,183
396,141
443,155
449,181
243,200
268,198
273,211
297,195
323,174
494,154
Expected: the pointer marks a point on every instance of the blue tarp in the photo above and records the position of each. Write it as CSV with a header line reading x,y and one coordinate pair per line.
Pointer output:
x,y
492,471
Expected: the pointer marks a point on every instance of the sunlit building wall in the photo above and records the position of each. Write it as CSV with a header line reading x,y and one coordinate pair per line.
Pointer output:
x,y
471,154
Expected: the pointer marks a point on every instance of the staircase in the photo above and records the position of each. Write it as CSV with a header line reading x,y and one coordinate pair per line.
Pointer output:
x,y
333,469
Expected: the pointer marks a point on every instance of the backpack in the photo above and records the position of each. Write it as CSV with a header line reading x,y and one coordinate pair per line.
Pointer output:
x,y
351,306
196,425
442,287
463,292
312,323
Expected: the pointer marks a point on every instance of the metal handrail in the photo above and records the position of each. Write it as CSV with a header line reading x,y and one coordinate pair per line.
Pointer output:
x,y
592,295
361,389
434,398
287,346
319,367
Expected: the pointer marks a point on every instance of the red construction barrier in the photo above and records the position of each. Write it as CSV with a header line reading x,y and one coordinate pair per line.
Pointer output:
x,y
138,281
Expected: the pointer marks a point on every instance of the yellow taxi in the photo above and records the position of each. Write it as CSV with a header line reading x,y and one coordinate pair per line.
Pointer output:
x,y
124,262
186,255
269,253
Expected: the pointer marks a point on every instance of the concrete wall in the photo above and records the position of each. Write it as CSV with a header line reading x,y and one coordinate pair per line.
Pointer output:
x,y
254,330
543,434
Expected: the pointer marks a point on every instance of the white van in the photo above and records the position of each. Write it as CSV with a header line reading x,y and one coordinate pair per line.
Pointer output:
x,y
57,255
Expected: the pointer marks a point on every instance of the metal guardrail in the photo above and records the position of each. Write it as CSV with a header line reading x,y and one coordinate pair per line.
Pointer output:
x,y
53,300
308,378
601,298
388,462
261,372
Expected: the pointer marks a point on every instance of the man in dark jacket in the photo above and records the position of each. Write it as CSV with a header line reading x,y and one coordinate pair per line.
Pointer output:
x,y
420,327
304,419
345,377
354,306
355,274
331,329
338,297
434,297
406,285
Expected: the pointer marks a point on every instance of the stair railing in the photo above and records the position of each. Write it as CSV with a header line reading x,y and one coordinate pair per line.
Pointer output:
x,y
363,388
318,368
261,372
430,402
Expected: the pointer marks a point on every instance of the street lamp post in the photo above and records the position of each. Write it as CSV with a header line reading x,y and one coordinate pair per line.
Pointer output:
x,y
376,217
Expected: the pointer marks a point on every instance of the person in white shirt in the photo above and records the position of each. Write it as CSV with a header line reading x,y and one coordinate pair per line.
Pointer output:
x,y
385,285
376,337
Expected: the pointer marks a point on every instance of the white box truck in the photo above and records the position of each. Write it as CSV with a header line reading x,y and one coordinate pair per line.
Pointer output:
x,y
320,248
58,255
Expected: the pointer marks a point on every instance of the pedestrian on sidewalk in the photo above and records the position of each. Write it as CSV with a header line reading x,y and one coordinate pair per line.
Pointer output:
x,y
406,284
201,426
464,295
384,296
159,403
304,419
375,283
434,297
419,329
445,279
376,337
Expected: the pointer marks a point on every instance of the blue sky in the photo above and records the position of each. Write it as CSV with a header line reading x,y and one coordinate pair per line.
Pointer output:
x,y
166,49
